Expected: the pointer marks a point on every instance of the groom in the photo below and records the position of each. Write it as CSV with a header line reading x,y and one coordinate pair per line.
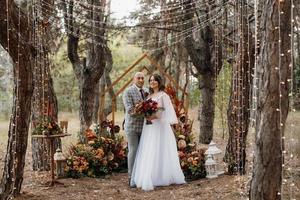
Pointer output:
x,y
133,124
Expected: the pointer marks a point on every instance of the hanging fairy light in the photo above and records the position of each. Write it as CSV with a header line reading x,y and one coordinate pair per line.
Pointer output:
x,y
284,79
289,155
279,109
251,85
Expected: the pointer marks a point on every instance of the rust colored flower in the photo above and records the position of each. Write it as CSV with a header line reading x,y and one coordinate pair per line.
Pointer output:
x,y
190,159
121,153
90,134
99,153
195,162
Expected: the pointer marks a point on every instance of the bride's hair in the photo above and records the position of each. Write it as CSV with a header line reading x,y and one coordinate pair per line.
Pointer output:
x,y
160,81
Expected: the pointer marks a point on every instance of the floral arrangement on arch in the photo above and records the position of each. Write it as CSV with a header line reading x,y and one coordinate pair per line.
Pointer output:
x,y
45,126
192,158
100,156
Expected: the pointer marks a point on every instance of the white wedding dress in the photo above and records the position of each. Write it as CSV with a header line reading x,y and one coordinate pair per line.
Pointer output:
x,y
157,162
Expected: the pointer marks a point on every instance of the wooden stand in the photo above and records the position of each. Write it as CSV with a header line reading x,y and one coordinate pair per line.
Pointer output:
x,y
51,139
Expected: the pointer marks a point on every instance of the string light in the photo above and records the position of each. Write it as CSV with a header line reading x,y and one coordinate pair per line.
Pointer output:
x,y
152,21
169,25
187,33
255,73
86,39
282,141
289,158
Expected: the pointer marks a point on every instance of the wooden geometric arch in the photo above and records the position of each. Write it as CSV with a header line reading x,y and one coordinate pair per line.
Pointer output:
x,y
131,67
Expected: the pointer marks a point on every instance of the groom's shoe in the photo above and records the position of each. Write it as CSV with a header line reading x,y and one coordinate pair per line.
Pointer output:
x,y
131,185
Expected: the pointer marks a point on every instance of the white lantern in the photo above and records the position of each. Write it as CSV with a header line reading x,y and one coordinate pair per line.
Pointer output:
x,y
210,166
60,162
215,152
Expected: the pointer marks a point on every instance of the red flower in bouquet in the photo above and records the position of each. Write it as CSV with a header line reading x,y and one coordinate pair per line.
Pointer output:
x,y
147,108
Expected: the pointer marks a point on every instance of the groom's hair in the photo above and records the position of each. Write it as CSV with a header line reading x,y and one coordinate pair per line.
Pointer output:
x,y
159,79
139,73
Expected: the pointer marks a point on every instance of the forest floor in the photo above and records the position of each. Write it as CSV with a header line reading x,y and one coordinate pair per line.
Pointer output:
x,y
115,186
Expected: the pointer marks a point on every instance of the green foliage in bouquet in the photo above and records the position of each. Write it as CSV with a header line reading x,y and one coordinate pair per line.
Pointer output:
x,y
46,126
101,156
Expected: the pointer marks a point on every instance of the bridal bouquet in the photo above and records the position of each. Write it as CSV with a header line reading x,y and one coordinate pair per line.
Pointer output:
x,y
147,108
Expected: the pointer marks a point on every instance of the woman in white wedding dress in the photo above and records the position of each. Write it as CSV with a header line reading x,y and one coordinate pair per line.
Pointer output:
x,y
157,162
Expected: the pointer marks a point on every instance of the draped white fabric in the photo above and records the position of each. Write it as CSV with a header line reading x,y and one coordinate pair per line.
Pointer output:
x,y
157,161
169,115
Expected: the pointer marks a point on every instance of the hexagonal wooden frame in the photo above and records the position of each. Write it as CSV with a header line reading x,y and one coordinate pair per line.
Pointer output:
x,y
130,68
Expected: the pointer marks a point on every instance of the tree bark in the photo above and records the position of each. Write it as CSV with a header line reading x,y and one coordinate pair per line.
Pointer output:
x,y
44,101
239,105
89,71
19,122
105,81
206,107
44,105
273,104
202,55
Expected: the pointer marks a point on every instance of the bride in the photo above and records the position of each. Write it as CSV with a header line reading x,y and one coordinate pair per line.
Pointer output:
x,y
157,161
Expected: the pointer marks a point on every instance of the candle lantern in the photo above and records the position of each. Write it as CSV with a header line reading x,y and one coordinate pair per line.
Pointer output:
x,y
210,166
60,163
215,152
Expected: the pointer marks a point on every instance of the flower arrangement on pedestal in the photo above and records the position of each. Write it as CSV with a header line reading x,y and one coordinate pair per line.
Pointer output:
x,y
100,156
46,126
192,159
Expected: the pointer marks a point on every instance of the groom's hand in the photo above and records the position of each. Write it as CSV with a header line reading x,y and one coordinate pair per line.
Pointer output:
x,y
137,109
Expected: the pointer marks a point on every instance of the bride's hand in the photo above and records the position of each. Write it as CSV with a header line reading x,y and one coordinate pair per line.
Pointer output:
x,y
151,117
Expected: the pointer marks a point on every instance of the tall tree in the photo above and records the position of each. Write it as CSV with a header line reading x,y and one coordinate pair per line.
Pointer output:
x,y
102,110
239,104
44,101
22,52
204,58
274,72
89,70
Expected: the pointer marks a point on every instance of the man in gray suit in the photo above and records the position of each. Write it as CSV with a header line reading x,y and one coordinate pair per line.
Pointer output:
x,y
133,124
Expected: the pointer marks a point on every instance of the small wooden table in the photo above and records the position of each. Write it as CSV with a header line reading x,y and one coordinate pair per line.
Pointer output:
x,y
51,139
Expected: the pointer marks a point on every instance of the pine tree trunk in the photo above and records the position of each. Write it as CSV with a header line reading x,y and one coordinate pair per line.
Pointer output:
x,y
44,98
206,107
19,122
239,105
88,92
208,65
104,110
273,66
89,71
40,147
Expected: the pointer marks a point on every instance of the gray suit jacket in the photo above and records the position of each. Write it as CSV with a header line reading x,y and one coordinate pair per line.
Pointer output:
x,y
133,124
